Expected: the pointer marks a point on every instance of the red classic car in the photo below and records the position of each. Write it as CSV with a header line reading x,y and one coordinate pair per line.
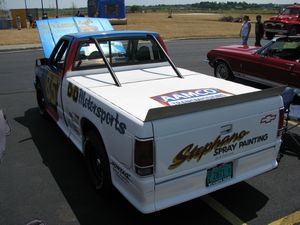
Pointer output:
x,y
276,63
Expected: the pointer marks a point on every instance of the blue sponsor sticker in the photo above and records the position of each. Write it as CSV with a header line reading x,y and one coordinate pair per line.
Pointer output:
x,y
188,96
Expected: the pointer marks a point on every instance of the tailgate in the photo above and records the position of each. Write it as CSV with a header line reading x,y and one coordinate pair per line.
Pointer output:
x,y
186,143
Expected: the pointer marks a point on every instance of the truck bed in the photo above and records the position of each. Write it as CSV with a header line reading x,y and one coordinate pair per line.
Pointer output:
x,y
158,87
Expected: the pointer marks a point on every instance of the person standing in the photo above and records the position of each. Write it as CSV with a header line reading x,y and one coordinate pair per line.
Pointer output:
x,y
79,14
45,16
245,30
259,30
18,22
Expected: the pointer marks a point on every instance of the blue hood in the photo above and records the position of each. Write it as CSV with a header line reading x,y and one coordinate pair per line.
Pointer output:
x,y
51,30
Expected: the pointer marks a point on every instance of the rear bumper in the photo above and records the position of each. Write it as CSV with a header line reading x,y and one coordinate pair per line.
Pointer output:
x,y
194,185
276,31
148,197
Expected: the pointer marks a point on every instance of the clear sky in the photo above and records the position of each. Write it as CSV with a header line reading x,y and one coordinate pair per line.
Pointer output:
x,y
14,4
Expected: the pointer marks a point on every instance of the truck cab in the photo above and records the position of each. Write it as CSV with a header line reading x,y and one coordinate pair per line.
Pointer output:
x,y
287,22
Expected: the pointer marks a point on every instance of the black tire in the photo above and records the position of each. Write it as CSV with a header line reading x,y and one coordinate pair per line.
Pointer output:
x,y
293,31
97,162
270,35
41,101
223,71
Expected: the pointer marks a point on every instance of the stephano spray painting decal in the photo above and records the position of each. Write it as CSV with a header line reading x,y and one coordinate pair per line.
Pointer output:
x,y
82,98
219,146
187,96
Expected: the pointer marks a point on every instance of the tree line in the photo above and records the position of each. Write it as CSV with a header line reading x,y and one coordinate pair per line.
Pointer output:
x,y
205,6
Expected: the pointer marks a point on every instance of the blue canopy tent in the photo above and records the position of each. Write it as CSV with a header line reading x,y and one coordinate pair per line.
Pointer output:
x,y
111,9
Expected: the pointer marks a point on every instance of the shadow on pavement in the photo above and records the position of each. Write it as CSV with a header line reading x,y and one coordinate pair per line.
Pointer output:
x,y
67,166
242,200
290,146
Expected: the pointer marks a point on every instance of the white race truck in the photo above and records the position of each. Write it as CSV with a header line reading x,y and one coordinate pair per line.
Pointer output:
x,y
161,135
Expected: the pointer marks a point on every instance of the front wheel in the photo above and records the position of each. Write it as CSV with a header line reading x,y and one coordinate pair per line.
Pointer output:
x,y
97,162
41,101
223,71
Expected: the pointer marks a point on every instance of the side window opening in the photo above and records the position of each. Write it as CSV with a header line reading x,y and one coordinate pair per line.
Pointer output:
x,y
88,57
59,54
287,49
148,50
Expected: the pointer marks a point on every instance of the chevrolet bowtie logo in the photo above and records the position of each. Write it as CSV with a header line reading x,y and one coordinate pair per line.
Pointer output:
x,y
268,118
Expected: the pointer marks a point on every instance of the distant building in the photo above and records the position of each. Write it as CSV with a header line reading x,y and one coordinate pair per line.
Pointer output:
x,y
111,9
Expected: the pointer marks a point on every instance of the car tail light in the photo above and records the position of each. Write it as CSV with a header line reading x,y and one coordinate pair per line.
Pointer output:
x,y
281,121
143,157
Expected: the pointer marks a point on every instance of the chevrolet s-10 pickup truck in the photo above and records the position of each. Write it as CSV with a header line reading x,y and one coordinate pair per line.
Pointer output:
x,y
161,135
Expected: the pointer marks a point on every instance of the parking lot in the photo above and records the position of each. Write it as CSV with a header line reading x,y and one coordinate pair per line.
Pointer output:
x,y
43,176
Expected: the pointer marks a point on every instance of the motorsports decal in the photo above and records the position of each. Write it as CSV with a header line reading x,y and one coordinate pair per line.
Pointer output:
x,y
122,174
81,97
219,146
187,96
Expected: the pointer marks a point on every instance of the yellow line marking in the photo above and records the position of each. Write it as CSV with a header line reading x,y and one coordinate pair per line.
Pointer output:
x,y
288,220
218,207
293,123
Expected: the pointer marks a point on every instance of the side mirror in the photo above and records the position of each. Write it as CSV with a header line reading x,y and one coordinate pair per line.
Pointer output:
x,y
43,61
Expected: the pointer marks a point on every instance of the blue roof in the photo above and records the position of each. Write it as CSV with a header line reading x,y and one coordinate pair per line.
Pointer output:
x,y
113,33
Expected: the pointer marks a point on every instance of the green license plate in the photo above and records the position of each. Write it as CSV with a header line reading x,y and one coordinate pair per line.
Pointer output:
x,y
219,174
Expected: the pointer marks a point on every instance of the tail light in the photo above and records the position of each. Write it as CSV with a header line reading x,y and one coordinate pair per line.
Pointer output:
x,y
143,157
280,121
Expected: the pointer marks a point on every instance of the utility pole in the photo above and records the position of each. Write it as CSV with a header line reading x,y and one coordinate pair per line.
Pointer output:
x,y
26,7
42,6
56,8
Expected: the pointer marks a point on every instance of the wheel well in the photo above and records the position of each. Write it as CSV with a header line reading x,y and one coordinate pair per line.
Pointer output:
x,y
87,125
221,60
94,147
230,75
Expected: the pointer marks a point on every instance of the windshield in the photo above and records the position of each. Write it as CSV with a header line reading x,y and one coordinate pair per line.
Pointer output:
x,y
291,11
285,48
118,52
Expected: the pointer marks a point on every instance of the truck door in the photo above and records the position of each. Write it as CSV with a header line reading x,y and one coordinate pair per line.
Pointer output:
x,y
52,80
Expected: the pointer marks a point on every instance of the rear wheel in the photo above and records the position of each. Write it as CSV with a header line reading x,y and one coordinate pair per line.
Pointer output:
x,y
223,71
97,162
270,35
